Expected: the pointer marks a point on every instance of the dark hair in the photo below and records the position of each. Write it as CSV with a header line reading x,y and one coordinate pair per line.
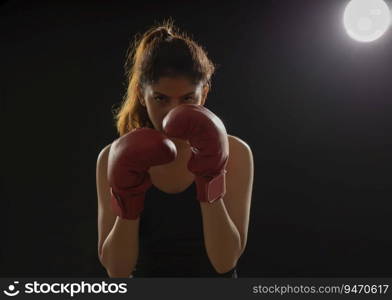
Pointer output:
x,y
161,51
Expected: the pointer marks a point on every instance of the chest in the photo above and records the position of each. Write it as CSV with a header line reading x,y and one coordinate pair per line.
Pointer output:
x,y
172,178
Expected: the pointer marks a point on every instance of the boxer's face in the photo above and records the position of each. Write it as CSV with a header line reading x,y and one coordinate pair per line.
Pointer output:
x,y
159,98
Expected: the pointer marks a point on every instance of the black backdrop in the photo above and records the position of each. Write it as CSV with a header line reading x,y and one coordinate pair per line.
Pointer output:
x,y
313,105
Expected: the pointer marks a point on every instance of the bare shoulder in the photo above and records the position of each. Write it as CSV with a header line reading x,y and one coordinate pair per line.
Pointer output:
x,y
103,188
103,154
102,159
240,156
101,169
238,147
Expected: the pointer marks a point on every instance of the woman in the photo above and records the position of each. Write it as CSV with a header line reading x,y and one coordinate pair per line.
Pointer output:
x,y
174,189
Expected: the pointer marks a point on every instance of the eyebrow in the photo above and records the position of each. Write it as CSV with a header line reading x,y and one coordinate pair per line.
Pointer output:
x,y
156,92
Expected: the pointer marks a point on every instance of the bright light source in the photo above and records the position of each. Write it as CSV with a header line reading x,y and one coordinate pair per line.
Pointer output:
x,y
366,20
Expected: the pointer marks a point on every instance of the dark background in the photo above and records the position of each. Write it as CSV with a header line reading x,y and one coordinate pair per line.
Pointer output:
x,y
313,105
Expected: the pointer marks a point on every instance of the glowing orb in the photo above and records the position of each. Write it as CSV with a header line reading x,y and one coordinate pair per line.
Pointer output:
x,y
366,20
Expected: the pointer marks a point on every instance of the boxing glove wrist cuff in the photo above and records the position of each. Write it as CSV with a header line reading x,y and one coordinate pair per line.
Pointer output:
x,y
127,209
128,203
211,189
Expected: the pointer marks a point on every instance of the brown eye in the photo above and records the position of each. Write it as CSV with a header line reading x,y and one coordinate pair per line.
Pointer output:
x,y
159,98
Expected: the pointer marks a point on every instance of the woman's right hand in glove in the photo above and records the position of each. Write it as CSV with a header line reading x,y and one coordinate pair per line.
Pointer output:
x,y
130,157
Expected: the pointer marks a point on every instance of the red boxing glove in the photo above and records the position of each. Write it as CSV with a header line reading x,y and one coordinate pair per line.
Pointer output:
x,y
210,147
130,157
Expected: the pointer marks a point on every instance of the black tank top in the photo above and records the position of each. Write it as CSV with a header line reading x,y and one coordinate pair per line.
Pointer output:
x,y
171,240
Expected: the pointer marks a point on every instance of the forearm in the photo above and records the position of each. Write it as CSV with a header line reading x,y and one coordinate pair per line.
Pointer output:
x,y
121,248
221,237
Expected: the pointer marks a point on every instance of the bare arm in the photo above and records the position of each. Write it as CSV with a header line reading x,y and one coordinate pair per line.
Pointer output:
x,y
121,248
222,239
118,239
226,221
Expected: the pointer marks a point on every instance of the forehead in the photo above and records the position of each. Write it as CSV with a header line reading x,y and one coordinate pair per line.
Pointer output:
x,y
174,86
